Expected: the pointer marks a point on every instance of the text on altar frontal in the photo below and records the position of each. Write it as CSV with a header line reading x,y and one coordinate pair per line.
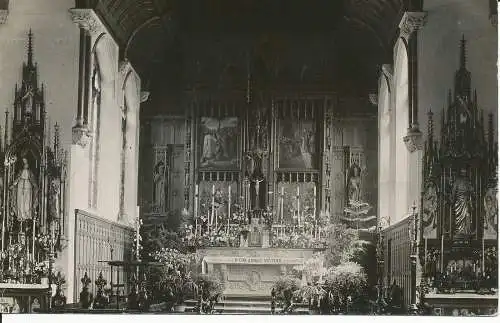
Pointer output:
x,y
254,260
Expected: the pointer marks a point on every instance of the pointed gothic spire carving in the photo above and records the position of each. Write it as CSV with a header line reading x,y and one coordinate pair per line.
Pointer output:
x,y
463,58
462,76
30,48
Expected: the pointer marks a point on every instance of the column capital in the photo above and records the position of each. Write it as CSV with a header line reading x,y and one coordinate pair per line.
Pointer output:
x,y
4,13
81,136
413,139
88,19
387,71
144,96
411,22
124,68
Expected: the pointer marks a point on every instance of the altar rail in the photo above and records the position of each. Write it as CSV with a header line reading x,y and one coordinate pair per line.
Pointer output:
x,y
98,239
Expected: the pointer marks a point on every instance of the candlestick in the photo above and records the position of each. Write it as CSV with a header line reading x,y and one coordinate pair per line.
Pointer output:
x,y
442,250
196,192
298,205
482,264
425,253
228,209
213,206
282,202
314,201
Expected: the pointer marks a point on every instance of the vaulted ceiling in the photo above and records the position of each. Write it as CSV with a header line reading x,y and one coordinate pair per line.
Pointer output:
x,y
155,34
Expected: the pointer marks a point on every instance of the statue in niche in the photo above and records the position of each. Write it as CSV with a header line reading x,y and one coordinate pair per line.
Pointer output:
x,y
25,191
159,180
307,147
430,205
462,192
54,195
354,184
27,99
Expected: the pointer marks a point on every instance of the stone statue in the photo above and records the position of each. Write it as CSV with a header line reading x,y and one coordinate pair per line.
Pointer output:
x,y
430,205
159,194
27,99
307,147
54,195
462,192
25,187
354,184
491,209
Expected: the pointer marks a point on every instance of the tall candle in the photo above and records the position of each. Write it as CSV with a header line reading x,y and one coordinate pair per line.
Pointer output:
x,y
213,206
442,250
196,188
282,202
228,209
425,253
314,207
298,205
482,265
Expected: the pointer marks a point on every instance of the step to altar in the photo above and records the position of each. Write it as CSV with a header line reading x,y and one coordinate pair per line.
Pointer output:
x,y
250,273
250,306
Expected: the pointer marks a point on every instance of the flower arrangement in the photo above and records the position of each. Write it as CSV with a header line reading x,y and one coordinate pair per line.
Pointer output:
x,y
299,238
43,241
41,269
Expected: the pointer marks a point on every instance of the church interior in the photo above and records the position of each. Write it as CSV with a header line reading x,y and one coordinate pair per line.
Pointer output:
x,y
249,157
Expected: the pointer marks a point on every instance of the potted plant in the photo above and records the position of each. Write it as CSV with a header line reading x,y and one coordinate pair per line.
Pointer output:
x,y
311,293
171,279
210,290
285,288
41,273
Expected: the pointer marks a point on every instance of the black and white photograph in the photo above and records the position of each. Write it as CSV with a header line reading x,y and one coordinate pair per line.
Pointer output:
x,y
248,157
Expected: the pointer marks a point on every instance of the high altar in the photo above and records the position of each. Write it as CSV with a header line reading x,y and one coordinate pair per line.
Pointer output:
x,y
33,182
259,172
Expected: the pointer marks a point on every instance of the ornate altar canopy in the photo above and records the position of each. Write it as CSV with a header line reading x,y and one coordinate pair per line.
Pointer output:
x,y
33,182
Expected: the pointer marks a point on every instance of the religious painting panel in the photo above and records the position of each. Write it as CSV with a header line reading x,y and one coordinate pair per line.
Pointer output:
x,y
219,143
298,144
296,203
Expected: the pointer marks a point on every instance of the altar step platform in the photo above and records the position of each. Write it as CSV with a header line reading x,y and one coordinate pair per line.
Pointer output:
x,y
235,305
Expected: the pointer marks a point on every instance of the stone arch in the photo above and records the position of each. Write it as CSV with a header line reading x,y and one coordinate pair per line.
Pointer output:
x,y
401,125
130,157
386,187
106,52
106,154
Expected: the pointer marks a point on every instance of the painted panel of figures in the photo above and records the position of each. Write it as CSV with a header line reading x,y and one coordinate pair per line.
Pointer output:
x,y
297,145
219,143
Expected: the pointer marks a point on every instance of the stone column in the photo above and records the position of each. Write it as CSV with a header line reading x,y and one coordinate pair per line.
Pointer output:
x,y
130,159
337,171
409,26
91,27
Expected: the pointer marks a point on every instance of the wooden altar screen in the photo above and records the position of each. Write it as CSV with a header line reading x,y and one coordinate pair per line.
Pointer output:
x,y
98,239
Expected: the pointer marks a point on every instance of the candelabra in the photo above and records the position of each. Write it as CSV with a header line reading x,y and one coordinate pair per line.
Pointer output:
x,y
413,237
